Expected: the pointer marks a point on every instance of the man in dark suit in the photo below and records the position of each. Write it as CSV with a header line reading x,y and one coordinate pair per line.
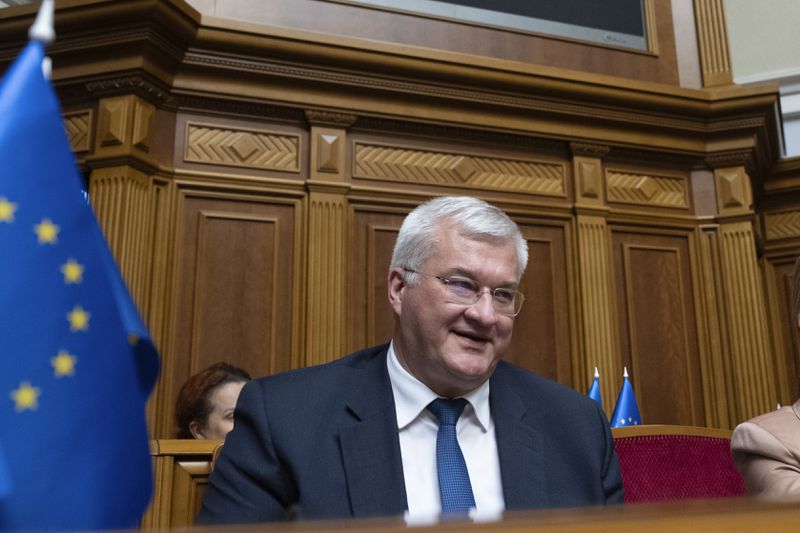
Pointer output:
x,y
433,422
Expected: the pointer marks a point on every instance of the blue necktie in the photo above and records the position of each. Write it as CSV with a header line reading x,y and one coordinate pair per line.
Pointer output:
x,y
454,486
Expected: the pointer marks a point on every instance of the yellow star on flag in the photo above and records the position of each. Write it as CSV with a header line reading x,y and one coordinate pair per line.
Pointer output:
x,y
73,271
46,231
26,397
78,319
7,209
64,364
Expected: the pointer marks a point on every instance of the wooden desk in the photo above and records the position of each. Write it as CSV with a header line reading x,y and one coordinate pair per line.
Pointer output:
x,y
180,470
731,515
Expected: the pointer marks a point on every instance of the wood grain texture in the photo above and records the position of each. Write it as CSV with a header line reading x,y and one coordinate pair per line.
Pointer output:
x,y
78,125
658,337
234,282
459,170
327,297
712,37
754,373
600,336
241,148
647,189
181,471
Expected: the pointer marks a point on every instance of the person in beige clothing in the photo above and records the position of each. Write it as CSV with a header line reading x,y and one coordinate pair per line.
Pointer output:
x,y
766,448
767,452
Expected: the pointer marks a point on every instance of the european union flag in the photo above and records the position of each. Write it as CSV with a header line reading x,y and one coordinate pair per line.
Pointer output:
x,y
76,362
626,412
594,390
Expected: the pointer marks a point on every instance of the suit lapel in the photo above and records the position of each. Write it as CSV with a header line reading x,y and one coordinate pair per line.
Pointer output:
x,y
371,446
519,446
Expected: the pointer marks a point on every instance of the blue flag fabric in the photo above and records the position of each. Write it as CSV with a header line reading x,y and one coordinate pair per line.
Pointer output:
x,y
626,412
76,362
594,392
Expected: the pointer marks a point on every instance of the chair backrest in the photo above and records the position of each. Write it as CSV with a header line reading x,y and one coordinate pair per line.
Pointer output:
x,y
660,462
215,454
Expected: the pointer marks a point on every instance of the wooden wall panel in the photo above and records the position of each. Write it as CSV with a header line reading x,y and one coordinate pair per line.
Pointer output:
x,y
373,235
785,324
342,18
541,340
215,147
658,335
235,278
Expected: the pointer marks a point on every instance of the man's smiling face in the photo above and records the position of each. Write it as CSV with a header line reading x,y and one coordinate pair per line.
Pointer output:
x,y
454,348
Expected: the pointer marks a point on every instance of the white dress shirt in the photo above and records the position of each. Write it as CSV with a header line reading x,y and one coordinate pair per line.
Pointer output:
x,y
418,428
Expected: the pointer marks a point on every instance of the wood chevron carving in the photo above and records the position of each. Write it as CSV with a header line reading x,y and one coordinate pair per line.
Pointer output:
x,y
659,191
441,168
263,150
782,225
79,128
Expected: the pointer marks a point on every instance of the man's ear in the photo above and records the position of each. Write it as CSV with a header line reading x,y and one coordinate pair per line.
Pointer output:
x,y
197,429
397,283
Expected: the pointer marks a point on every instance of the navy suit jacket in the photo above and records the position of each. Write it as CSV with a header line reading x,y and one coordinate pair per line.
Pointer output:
x,y
322,442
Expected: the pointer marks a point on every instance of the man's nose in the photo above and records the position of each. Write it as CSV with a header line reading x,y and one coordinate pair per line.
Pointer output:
x,y
483,310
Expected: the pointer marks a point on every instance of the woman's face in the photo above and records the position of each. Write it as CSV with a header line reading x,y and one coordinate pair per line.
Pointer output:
x,y
220,419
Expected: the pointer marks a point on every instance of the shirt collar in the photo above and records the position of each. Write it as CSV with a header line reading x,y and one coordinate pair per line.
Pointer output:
x,y
411,396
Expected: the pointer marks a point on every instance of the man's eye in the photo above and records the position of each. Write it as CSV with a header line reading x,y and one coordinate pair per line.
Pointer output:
x,y
504,296
463,286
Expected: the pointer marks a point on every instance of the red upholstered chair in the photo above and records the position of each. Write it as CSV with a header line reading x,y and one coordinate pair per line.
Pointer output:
x,y
676,463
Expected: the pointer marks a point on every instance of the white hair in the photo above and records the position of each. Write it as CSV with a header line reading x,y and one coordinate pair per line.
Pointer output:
x,y
473,217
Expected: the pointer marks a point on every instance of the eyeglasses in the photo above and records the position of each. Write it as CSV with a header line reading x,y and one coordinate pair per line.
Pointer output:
x,y
466,291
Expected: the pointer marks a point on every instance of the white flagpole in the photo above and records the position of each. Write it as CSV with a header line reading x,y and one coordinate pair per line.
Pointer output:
x,y
42,30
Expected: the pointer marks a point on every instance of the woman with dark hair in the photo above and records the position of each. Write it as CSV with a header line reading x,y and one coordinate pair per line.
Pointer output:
x,y
206,401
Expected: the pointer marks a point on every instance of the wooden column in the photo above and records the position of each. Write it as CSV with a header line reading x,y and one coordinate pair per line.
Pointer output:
x,y
712,37
718,389
751,361
124,199
120,188
328,185
599,345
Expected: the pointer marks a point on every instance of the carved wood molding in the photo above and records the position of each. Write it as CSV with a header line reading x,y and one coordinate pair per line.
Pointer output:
x,y
382,83
782,225
78,125
734,195
240,147
730,159
441,168
238,107
121,198
136,84
330,118
712,38
438,131
711,333
325,315
589,149
588,175
597,307
754,377
644,189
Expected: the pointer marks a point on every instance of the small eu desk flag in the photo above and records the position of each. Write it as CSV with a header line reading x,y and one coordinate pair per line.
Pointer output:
x,y
76,362
594,390
626,412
